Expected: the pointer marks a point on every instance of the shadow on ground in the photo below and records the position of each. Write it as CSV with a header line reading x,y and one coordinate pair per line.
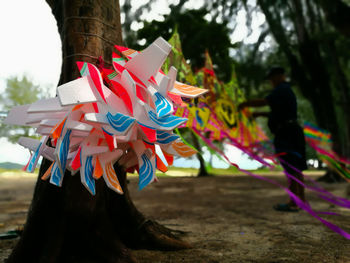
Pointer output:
x,y
226,218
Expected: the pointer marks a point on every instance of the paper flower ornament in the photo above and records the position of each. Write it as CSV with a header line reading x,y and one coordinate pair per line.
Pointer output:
x,y
91,125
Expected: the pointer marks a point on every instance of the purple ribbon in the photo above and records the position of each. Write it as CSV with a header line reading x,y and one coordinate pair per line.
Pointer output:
x,y
303,205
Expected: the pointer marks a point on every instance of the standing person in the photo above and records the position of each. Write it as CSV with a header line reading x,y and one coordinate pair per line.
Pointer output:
x,y
289,141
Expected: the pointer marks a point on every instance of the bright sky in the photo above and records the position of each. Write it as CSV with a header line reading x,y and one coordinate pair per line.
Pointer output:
x,y
31,45
30,42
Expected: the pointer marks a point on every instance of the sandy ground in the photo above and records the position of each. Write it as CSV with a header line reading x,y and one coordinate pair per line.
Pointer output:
x,y
226,218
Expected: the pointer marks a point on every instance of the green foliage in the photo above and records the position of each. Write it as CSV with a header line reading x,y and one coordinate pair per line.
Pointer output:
x,y
309,38
197,35
18,92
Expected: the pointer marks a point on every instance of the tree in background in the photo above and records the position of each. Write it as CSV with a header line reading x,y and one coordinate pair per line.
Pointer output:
x,y
318,61
18,92
198,33
310,38
311,47
68,224
337,13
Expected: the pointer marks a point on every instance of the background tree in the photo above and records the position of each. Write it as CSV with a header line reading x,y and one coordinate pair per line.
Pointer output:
x,y
307,65
309,38
68,224
18,91
337,14
318,63
198,32
197,35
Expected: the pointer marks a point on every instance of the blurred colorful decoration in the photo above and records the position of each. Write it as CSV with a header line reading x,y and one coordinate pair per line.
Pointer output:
x,y
214,116
321,141
225,111
129,110
216,121
91,125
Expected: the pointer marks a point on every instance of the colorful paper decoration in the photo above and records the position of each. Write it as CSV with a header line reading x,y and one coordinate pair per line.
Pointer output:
x,y
321,141
227,125
215,116
91,125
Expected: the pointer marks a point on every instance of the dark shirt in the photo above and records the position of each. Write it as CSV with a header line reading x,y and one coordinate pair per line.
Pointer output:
x,y
283,104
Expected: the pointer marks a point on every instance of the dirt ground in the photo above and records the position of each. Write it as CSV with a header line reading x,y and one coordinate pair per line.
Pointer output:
x,y
226,219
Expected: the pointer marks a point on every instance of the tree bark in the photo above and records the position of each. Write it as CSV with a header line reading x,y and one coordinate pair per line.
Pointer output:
x,y
68,224
88,30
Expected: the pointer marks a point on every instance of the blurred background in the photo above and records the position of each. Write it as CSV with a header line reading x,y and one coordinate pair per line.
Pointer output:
x,y
309,38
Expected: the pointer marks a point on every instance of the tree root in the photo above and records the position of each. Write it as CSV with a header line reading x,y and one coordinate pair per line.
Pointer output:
x,y
152,235
69,225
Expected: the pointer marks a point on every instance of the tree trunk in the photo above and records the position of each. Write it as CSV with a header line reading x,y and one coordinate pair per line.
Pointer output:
x,y
331,177
310,70
202,167
310,51
68,224
337,13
